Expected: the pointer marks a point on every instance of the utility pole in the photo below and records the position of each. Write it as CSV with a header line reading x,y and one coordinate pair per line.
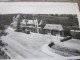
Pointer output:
x,y
50,36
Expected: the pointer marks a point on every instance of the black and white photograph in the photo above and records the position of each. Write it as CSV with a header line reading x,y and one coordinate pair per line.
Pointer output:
x,y
39,30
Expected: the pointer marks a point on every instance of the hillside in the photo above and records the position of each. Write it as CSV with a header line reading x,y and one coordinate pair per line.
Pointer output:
x,y
65,20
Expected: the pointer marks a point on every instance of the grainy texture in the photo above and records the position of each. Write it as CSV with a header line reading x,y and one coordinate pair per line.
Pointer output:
x,y
41,0
78,1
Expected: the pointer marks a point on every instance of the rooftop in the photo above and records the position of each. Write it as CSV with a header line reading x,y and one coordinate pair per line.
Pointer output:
x,y
54,27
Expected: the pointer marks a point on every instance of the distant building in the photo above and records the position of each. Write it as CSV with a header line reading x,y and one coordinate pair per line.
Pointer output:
x,y
32,25
54,29
23,23
75,34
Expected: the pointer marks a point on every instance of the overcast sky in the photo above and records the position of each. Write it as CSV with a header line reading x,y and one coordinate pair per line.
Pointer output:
x,y
38,8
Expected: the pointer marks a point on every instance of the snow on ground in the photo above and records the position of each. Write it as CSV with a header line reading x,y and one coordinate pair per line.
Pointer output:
x,y
29,45
33,40
25,45
9,30
73,43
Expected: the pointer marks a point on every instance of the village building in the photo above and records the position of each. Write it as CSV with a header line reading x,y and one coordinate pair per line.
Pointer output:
x,y
37,23
54,29
50,19
32,25
75,34
23,24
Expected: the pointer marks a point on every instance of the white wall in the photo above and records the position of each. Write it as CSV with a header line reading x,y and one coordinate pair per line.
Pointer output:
x,y
40,8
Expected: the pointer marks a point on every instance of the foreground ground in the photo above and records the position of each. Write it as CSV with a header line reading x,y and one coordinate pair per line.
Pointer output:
x,y
21,45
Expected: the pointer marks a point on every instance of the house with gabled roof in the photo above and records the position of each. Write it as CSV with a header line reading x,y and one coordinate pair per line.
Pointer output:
x,y
54,29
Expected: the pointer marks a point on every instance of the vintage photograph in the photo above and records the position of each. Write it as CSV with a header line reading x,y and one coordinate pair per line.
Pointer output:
x,y
48,33
39,0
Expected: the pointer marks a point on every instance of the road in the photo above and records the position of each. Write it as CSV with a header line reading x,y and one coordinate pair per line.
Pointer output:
x,y
21,45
